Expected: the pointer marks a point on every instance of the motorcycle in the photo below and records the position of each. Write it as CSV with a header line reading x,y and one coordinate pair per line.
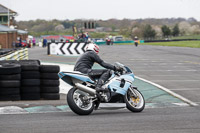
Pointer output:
x,y
109,41
82,98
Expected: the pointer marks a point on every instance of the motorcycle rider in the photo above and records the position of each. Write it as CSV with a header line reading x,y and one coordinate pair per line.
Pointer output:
x,y
86,61
136,41
109,40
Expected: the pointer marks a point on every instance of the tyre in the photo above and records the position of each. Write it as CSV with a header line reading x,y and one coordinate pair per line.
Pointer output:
x,y
29,67
30,61
10,83
9,62
50,96
30,75
50,83
76,103
2,52
30,89
134,100
53,76
30,82
6,69
49,69
30,96
49,89
10,97
10,77
9,91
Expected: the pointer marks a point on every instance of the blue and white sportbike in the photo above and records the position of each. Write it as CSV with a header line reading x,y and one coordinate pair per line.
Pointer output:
x,y
83,98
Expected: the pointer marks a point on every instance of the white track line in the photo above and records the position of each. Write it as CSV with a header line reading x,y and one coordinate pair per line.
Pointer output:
x,y
169,91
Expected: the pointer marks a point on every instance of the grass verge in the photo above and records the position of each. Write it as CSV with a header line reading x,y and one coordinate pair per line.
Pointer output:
x,y
192,44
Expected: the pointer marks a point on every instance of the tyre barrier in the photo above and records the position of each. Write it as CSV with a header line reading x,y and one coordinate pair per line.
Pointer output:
x,y
28,80
10,75
49,82
14,54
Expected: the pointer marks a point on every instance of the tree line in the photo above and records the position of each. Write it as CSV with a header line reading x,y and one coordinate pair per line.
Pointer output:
x,y
150,33
143,28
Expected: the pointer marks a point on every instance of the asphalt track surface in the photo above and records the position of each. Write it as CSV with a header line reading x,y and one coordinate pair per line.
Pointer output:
x,y
160,120
172,67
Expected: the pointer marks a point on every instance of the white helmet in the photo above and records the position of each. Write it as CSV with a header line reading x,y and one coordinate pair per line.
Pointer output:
x,y
93,47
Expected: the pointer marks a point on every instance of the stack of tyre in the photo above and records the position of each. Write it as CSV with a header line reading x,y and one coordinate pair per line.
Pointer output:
x,y
10,75
30,79
49,82
5,51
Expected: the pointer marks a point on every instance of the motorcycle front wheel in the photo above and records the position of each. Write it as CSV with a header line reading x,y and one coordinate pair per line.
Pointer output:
x,y
134,100
79,102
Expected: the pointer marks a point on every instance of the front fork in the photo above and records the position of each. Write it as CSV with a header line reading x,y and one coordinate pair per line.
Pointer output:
x,y
132,88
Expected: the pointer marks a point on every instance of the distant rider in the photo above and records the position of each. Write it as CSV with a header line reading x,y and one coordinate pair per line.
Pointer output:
x,y
136,41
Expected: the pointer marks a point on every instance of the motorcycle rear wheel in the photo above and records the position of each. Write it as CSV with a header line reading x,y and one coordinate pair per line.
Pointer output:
x,y
134,102
77,104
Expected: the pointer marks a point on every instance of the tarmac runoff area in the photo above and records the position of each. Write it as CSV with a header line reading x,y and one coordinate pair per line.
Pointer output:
x,y
155,96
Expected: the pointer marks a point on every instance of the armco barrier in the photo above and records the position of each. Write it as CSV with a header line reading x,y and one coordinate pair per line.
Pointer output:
x,y
16,54
69,49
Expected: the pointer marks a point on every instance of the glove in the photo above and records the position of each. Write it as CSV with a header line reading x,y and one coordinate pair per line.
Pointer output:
x,y
119,69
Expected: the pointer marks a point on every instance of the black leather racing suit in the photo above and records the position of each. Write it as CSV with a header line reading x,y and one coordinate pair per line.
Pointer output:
x,y
86,61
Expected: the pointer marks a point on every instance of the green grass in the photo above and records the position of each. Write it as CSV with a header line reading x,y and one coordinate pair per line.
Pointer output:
x,y
192,44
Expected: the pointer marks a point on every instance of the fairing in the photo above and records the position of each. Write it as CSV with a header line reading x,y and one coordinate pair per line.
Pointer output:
x,y
114,83
69,77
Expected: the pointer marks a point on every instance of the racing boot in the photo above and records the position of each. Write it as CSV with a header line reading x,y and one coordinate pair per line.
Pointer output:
x,y
101,92
100,89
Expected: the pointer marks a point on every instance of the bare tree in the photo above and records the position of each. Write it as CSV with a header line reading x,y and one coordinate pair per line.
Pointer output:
x,y
184,27
59,27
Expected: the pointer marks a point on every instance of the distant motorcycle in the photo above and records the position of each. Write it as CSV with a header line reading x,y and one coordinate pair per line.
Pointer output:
x,y
109,41
83,98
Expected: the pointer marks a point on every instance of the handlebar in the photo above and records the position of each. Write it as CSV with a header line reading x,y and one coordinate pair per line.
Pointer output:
x,y
118,73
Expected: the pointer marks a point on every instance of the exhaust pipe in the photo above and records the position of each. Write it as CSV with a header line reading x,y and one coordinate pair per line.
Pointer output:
x,y
86,89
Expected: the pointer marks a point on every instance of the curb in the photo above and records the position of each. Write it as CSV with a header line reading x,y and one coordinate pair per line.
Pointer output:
x,y
12,110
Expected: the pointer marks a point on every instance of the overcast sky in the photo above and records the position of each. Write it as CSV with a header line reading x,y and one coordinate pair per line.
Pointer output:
x,y
103,9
